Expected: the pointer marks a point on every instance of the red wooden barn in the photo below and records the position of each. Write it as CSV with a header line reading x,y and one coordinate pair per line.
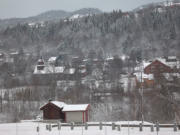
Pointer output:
x,y
53,110
66,113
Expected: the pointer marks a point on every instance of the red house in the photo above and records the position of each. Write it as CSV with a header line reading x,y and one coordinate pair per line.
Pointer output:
x,y
157,67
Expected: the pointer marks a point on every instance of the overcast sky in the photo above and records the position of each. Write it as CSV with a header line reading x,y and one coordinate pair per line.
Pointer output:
x,y
26,8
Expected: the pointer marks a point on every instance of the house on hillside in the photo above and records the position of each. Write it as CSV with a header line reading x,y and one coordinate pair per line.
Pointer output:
x,y
48,68
40,64
55,110
157,67
147,72
45,68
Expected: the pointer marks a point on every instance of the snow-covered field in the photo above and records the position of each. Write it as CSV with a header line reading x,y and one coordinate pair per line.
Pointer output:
x,y
30,128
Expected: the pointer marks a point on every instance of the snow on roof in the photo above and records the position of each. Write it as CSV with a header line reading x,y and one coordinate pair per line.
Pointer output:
x,y
162,60
52,59
72,70
83,71
14,53
40,60
82,66
58,104
72,108
85,60
169,63
146,63
110,58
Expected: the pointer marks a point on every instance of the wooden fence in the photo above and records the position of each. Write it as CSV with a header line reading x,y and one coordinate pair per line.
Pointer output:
x,y
153,127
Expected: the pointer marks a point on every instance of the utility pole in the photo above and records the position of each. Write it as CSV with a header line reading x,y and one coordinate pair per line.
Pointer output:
x,y
141,92
142,89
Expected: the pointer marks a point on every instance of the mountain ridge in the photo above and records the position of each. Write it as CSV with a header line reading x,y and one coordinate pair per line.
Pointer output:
x,y
52,16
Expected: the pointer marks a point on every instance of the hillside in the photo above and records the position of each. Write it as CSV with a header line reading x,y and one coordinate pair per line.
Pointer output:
x,y
152,30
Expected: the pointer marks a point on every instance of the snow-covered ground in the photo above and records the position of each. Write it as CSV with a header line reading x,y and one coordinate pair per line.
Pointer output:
x,y
30,128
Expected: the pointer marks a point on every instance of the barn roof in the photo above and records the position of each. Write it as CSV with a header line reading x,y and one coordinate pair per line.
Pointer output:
x,y
74,108
160,61
52,59
56,103
67,107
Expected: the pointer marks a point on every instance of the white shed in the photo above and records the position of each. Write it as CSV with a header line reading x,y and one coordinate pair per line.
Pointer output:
x,y
76,113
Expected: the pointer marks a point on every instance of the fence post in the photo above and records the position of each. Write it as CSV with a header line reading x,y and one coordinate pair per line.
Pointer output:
x,y
157,127
72,126
152,128
113,126
50,127
119,127
140,127
37,129
47,127
59,126
86,126
100,125
175,127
